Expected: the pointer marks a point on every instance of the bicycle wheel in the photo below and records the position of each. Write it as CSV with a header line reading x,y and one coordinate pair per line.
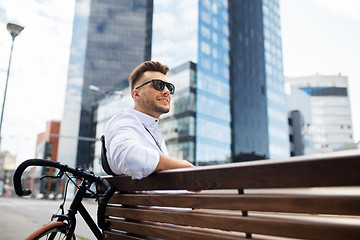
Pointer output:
x,y
51,231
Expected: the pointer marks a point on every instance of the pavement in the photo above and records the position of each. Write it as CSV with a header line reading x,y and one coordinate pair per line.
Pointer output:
x,y
19,217
15,226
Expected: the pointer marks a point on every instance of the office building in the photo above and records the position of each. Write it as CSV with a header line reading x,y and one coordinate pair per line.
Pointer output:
x,y
198,31
331,124
109,39
235,45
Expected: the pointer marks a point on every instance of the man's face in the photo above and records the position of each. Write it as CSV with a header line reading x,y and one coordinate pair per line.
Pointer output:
x,y
151,101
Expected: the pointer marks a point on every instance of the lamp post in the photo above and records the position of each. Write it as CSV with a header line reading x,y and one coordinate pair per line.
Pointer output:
x,y
14,30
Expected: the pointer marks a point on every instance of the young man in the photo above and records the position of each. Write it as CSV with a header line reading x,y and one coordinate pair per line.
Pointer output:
x,y
135,146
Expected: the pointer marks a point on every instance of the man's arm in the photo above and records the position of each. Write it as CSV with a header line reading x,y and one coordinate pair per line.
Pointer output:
x,y
166,162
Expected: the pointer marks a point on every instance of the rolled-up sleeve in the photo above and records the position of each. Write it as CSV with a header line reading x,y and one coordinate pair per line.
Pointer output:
x,y
126,149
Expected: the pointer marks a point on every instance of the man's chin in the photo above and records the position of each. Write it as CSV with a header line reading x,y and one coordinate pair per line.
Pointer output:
x,y
163,110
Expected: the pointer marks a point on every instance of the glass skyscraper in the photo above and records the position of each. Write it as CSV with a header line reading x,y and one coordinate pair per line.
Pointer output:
x,y
213,130
259,113
110,38
248,82
202,37
275,85
239,86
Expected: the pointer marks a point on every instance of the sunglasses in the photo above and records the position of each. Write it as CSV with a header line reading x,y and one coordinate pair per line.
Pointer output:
x,y
159,85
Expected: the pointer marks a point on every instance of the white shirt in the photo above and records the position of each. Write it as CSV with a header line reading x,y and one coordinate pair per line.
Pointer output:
x,y
131,149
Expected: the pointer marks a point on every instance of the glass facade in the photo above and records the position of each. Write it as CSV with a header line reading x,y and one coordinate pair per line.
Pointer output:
x,y
250,139
107,107
240,109
112,38
279,146
213,128
178,126
195,39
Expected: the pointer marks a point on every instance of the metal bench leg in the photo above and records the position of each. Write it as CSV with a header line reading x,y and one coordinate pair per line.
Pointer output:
x,y
244,213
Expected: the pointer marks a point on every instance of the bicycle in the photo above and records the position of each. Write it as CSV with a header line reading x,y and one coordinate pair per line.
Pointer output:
x,y
65,224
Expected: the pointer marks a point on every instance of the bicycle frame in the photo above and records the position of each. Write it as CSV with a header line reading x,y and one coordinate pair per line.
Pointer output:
x,y
77,206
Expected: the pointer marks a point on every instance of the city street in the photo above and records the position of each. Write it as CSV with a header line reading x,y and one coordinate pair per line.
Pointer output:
x,y
19,217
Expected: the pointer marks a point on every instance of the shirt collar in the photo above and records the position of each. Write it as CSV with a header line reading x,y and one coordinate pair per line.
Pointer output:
x,y
147,120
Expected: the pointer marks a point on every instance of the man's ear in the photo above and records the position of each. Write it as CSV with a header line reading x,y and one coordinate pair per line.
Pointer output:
x,y
134,93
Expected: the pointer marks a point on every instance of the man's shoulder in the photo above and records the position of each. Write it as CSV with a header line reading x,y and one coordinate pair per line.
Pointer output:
x,y
124,118
123,123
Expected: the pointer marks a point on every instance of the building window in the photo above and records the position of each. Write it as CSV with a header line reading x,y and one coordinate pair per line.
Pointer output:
x,y
205,48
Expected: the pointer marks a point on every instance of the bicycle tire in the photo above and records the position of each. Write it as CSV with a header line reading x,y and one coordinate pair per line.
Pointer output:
x,y
51,231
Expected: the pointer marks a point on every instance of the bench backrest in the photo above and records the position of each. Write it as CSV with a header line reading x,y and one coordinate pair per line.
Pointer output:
x,y
287,198
104,160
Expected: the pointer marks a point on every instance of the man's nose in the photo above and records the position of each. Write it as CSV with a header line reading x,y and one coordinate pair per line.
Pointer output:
x,y
166,90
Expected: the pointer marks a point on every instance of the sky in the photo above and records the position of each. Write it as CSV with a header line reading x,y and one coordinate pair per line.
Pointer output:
x,y
318,36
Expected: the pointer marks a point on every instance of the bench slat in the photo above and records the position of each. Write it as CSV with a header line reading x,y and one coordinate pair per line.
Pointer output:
x,y
319,204
303,227
119,236
305,171
168,231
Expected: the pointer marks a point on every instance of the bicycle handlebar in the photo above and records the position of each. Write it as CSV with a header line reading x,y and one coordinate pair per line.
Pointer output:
x,y
21,168
76,173
46,163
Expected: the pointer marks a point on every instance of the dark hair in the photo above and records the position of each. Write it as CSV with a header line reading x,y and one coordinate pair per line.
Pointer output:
x,y
144,67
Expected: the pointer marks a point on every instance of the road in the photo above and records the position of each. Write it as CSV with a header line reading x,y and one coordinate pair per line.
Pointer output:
x,y
19,217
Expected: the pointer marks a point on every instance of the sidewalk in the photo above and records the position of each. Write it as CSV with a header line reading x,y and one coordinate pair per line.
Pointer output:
x,y
22,224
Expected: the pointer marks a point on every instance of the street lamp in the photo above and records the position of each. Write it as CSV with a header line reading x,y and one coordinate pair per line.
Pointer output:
x,y
14,30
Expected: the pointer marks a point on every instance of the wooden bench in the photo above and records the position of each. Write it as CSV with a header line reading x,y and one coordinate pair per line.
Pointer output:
x,y
309,197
